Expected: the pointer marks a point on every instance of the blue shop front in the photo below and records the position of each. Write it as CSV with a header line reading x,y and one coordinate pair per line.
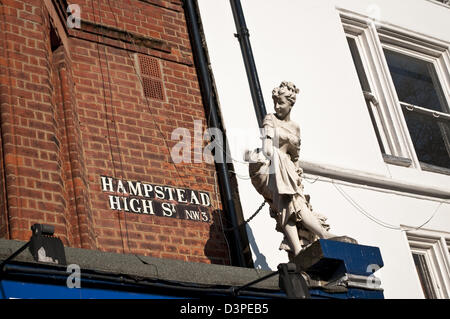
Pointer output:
x,y
325,270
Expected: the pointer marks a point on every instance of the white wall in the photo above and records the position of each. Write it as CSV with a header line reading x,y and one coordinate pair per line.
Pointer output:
x,y
304,42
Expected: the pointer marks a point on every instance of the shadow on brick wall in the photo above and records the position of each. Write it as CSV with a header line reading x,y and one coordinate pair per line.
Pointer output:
x,y
217,248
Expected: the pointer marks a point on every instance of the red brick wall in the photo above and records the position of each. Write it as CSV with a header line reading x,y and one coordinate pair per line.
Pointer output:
x,y
74,114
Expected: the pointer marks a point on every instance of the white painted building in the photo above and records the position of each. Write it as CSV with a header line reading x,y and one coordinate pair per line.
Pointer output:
x,y
379,167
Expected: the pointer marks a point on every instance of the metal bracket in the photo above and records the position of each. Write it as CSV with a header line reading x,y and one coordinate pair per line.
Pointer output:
x,y
290,281
347,281
43,246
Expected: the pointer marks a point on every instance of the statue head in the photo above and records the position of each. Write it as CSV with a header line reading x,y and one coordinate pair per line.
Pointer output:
x,y
284,98
286,89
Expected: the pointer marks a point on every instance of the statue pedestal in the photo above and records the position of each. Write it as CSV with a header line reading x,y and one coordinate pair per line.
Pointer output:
x,y
341,270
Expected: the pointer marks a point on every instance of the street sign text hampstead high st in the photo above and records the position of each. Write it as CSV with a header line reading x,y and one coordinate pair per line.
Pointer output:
x,y
165,201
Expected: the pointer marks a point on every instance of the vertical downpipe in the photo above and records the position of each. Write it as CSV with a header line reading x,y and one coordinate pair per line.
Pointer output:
x,y
249,61
211,106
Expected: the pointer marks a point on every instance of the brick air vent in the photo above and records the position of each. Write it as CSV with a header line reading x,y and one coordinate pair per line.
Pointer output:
x,y
153,88
151,77
149,66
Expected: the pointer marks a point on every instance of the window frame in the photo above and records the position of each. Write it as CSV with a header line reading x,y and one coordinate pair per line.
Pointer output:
x,y
435,247
366,43
369,96
428,52
371,41
435,290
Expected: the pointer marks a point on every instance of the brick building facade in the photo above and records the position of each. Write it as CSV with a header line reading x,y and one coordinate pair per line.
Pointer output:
x,y
101,100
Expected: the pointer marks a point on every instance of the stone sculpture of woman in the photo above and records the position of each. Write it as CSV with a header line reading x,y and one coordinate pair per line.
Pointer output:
x,y
276,174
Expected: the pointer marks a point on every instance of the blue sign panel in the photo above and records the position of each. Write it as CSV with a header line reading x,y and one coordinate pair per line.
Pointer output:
x,y
26,290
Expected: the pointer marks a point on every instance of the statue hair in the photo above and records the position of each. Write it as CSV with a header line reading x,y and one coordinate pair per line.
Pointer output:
x,y
287,89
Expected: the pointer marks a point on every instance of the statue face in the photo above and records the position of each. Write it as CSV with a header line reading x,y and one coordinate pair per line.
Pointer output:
x,y
282,106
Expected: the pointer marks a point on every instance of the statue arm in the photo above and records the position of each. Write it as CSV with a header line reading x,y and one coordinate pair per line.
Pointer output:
x,y
268,142
267,137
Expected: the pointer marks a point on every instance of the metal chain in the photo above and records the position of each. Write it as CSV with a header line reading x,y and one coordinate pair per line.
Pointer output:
x,y
249,219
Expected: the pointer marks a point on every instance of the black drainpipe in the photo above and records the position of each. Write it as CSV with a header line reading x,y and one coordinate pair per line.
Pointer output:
x,y
211,107
244,40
